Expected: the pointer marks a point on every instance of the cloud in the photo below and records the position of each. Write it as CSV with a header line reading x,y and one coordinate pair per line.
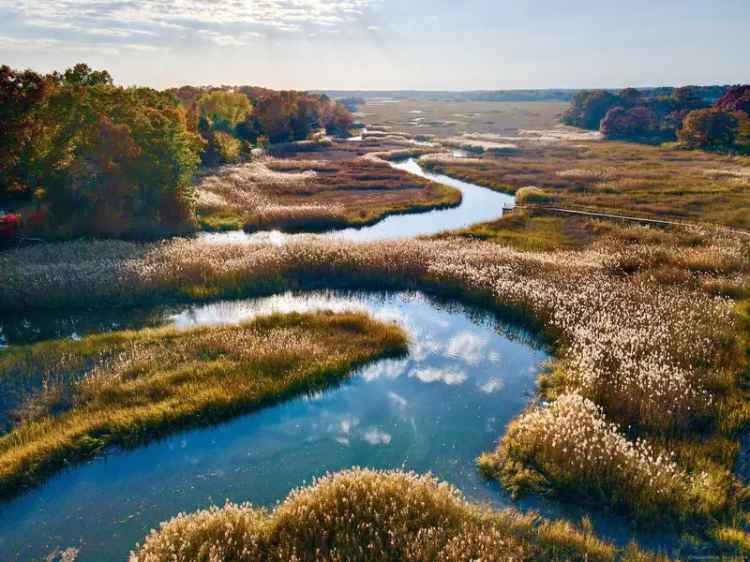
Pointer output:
x,y
433,374
467,346
388,368
280,14
346,424
229,40
398,400
50,45
494,384
375,436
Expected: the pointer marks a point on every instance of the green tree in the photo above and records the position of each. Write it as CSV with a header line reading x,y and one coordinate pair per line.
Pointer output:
x,y
224,110
83,75
100,159
588,108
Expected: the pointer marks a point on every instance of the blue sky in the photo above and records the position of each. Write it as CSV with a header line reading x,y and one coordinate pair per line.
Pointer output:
x,y
386,44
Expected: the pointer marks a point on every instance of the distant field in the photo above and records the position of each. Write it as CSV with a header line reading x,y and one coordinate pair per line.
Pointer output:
x,y
443,118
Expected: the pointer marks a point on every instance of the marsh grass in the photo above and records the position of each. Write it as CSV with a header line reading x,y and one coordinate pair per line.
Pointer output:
x,y
123,388
364,515
656,355
648,181
314,195
529,230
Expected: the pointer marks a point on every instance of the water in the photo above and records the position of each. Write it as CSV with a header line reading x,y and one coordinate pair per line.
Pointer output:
x,y
478,204
467,375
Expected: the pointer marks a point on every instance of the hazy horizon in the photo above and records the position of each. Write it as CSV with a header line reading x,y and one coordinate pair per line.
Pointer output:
x,y
385,45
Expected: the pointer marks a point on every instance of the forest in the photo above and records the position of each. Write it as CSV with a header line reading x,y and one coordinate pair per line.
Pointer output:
x,y
687,115
83,156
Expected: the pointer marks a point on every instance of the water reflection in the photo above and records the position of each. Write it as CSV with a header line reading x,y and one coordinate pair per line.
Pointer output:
x,y
435,410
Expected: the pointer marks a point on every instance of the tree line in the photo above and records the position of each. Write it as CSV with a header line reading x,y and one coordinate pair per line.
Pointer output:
x,y
685,115
82,156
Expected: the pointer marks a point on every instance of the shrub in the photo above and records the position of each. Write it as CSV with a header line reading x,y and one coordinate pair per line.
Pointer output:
x,y
636,123
222,148
736,99
532,194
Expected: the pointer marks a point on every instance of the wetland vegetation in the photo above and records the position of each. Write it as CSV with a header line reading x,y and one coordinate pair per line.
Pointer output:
x,y
639,414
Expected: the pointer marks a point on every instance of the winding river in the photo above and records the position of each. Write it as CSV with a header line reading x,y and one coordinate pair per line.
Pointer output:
x,y
468,374
478,204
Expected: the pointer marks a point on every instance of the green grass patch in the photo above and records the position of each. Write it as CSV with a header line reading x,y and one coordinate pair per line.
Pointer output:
x,y
526,231
221,220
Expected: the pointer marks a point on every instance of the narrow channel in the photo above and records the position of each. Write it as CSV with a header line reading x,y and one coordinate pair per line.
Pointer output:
x,y
478,204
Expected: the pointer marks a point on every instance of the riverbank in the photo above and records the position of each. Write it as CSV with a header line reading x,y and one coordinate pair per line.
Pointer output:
x,y
400,516
642,362
125,388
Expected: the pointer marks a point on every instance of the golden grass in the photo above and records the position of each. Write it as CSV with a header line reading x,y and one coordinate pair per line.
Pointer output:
x,y
641,337
625,178
314,195
125,387
364,515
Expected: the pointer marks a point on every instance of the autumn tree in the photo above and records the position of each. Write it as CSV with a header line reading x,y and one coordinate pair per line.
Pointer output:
x,y
99,159
636,123
711,129
275,112
22,95
736,99
337,119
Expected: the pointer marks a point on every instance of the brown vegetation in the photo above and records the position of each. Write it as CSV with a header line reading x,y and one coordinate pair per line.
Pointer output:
x,y
619,177
314,195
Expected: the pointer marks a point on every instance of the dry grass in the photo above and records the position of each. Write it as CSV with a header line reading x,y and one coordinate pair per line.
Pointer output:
x,y
446,119
640,333
619,177
126,387
313,195
363,515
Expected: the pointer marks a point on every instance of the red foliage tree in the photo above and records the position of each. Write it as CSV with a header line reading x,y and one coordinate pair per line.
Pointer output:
x,y
635,123
736,99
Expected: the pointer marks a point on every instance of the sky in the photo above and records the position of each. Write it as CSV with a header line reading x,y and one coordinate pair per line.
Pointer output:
x,y
385,44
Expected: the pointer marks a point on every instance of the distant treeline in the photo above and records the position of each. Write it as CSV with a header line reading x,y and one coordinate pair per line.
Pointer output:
x,y
81,156
709,93
691,115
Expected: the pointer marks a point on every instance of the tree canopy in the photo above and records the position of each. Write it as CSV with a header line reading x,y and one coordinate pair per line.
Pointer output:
x,y
685,114
94,158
